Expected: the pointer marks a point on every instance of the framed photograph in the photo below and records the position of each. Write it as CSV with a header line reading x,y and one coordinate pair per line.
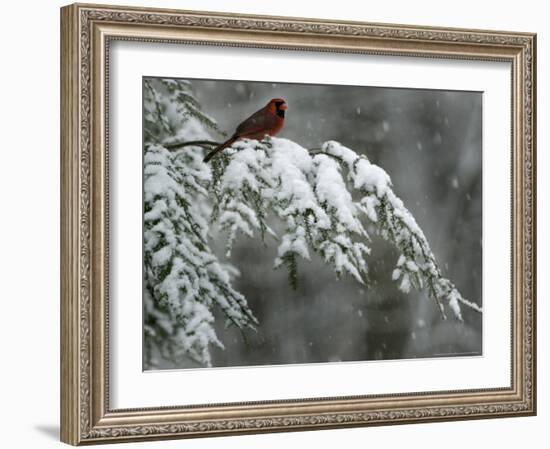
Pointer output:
x,y
280,224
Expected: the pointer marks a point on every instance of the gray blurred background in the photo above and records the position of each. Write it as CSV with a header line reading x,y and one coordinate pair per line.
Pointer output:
x,y
430,143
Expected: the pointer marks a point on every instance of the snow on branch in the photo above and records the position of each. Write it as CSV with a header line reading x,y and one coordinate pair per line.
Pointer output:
x,y
313,196
183,274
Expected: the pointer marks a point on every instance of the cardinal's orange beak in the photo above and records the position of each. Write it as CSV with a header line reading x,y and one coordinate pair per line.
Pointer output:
x,y
283,107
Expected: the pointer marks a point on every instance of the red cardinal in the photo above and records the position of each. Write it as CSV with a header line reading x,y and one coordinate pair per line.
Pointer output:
x,y
268,120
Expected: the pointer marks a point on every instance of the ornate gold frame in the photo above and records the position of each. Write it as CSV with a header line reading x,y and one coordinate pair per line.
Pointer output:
x,y
86,31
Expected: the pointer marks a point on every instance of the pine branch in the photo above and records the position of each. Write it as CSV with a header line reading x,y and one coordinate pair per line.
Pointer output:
x,y
184,279
192,143
210,143
310,192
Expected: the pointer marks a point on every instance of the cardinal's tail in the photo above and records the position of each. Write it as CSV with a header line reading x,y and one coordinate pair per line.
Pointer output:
x,y
219,148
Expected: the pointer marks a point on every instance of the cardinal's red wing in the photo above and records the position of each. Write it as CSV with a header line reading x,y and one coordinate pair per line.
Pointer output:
x,y
257,125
